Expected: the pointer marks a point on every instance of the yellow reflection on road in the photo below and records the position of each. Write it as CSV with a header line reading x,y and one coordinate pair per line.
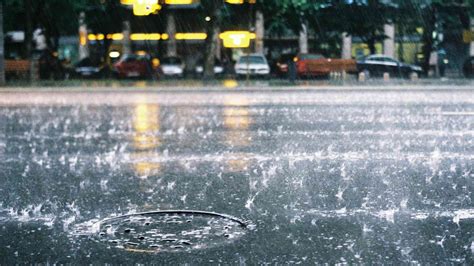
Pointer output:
x,y
143,165
237,163
230,83
146,126
237,121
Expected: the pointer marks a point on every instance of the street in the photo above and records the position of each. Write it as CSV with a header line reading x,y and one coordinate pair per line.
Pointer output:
x,y
377,174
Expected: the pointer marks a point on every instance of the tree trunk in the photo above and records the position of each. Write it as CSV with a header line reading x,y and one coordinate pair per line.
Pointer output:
x,y
471,47
401,49
83,42
389,42
172,47
303,39
2,48
213,31
427,49
371,44
28,29
260,32
428,38
346,52
127,44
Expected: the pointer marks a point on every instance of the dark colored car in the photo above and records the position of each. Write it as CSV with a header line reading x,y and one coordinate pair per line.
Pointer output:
x,y
281,66
377,65
468,67
88,68
218,68
134,66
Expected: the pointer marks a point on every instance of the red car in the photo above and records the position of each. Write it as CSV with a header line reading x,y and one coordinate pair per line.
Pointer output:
x,y
312,65
134,66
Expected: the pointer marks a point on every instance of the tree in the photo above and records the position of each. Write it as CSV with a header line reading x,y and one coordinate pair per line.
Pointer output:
x,y
329,19
2,50
214,8
439,17
364,19
60,17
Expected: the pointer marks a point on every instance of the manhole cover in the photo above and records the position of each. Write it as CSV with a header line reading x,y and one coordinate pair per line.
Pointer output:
x,y
169,231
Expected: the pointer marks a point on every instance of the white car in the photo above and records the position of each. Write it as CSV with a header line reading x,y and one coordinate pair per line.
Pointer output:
x,y
172,66
254,65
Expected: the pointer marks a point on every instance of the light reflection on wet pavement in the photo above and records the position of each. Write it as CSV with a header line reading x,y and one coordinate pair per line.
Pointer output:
x,y
325,176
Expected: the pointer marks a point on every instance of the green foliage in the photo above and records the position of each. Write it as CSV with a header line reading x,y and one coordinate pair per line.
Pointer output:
x,y
60,17
12,10
284,15
324,18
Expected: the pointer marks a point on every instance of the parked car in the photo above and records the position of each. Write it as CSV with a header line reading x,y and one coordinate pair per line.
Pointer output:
x,y
281,66
316,65
377,65
172,66
254,65
218,68
88,68
134,66
468,67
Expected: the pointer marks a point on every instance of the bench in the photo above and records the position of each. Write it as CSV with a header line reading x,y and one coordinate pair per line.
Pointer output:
x,y
17,68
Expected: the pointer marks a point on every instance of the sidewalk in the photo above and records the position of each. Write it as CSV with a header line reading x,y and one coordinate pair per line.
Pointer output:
x,y
232,84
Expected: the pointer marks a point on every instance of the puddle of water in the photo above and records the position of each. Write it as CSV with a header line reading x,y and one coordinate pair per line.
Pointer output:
x,y
165,231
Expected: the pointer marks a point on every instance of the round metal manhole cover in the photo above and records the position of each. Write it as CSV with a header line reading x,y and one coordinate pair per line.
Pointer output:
x,y
169,231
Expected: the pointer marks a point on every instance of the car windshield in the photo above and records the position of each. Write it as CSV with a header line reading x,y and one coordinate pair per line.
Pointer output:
x,y
129,58
200,62
171,61
310,56
252,60
87,62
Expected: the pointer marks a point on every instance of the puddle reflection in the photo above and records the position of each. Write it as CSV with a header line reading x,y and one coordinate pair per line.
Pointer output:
x,y
237,121
146,125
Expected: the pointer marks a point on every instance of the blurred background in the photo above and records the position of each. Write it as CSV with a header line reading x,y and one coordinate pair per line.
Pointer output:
x,y
195,39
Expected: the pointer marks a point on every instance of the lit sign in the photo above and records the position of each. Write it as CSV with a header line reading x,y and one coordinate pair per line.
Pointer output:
x,y
133,36
239,2
145,7
115,36
179,2
468,36
237,39
191,36
127,2
145,36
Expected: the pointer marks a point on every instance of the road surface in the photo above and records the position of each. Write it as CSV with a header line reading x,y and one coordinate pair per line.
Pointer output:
x,y
379,175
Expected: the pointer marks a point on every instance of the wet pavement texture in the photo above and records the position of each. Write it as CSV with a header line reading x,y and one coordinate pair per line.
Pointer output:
x,y
355,176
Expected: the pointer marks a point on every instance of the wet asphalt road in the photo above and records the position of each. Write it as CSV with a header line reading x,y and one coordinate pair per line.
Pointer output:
x,y
357,176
